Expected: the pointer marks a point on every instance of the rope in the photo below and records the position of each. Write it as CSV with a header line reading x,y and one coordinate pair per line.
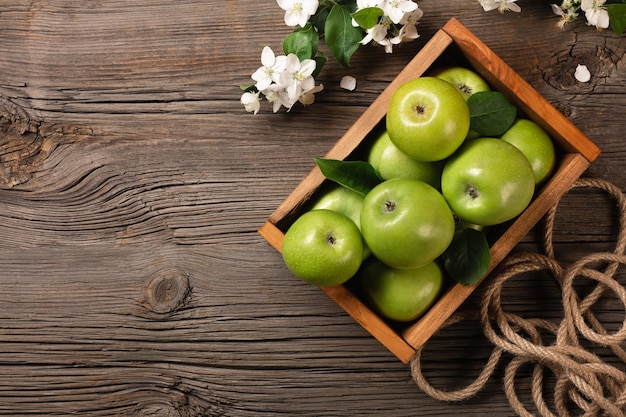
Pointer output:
x,y
583,379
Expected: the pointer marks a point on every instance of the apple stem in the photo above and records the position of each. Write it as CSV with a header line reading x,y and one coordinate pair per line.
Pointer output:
x,y
419,110
472,192
465,88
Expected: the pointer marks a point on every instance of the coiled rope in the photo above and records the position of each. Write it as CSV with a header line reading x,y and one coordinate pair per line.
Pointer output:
x,y
583,379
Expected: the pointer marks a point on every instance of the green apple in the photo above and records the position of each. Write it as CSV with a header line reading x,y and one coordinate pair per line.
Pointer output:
x,y
342,200
535,144
487,181
465,80
345,201
390,162
406,223
427,119
401,294
323,247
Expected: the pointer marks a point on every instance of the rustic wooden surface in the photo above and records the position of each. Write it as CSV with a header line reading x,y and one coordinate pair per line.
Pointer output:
x,y
132,185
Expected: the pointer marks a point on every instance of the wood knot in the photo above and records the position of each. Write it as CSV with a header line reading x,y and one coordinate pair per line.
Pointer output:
x,y
21,152
559,70
168,291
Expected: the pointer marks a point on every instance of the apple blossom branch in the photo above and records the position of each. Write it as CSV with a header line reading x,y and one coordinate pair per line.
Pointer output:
x,y
598,13
285,80
345,25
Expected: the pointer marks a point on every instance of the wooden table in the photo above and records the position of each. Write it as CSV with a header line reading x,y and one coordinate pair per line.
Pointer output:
x,y
132,185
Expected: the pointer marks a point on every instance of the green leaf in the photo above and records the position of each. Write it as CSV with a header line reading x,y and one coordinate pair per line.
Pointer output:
x,y
342,38
303,42
617,17
248,88
467,258
368,18
491,113
358,176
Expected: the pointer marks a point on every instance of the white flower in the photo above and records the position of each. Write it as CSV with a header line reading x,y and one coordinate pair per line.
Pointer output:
x,y
398,23
408,32
383,32
297,77
568,10
596,15
251,102
348,82
277,95
582,74
377,34
501,5
297,12
396,9
271,69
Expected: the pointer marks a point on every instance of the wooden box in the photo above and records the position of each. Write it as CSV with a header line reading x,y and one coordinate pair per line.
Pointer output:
x,y
452,45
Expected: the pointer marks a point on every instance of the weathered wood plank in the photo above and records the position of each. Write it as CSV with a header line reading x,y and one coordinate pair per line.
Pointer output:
x,y
132,183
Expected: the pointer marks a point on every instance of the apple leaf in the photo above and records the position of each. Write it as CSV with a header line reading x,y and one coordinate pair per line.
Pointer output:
x,y
303,42
248,88
368,17
467,258
359,176
342,39
491,113
617,17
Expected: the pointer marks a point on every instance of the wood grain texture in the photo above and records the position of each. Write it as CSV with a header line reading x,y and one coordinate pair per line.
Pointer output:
x,y
132,185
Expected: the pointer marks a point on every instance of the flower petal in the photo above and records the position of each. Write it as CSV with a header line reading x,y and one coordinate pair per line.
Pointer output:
x,y
556,9
310,6
514,7
603,19
292,18
348,82
292,63
267,57
582,74
307,84
307,67
489,5
285,4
